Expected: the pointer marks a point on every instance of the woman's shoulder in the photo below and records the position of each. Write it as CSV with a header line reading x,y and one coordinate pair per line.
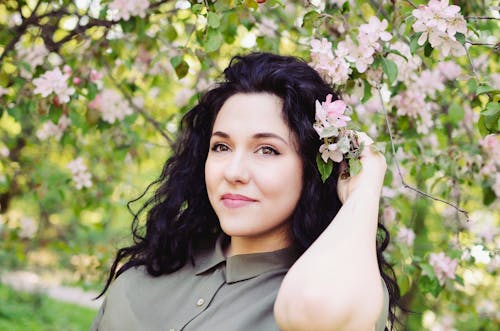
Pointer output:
x,y
128,278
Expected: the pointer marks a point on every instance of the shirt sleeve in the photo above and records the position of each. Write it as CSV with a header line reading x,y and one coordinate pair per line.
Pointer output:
x,y
97,319
384,314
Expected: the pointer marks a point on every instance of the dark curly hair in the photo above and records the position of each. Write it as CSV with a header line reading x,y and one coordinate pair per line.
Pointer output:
x,y
180,220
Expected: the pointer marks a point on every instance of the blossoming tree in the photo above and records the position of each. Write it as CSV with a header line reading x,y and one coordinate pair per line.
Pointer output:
x,y
91,92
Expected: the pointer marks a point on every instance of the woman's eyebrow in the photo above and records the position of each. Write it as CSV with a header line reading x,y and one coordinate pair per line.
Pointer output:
x,y
269,135
259,135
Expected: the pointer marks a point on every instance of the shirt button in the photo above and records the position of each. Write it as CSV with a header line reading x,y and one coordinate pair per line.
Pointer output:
x,y
200,302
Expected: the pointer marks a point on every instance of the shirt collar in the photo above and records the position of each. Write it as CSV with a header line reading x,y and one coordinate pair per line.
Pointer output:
x,y
245,266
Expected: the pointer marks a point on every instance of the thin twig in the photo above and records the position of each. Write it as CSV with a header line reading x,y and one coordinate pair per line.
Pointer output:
x,y
481,18
479,44
146,116
397,163
471,64
412,4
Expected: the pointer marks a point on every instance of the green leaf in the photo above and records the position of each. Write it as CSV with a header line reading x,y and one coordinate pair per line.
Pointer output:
x,y
395,51
91,91
214,40
492,109
483,130
390,69
488,195
428,49
367,91
310,19
251,4
181,67
354,167
213,20
176,60
346,7
472,85
429,285
197,8
491,117
428,269
414,42
325,168
456,113
171,33
483,88
460,38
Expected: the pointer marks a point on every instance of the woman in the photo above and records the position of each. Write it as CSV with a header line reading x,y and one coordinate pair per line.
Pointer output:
x,y
240,204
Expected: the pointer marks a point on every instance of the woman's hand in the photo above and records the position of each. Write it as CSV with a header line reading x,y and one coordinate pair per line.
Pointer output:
x,y
371,177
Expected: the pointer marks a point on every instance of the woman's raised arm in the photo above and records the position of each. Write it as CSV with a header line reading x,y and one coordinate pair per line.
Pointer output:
x,y
336,283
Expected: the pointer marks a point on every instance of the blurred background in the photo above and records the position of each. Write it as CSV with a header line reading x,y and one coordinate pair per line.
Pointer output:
x,y
91,94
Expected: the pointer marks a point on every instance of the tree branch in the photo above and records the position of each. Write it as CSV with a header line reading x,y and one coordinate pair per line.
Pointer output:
x,y
481,18
397,163
146,116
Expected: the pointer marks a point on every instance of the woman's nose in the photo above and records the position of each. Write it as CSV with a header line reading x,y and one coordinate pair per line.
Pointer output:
x,y
236,170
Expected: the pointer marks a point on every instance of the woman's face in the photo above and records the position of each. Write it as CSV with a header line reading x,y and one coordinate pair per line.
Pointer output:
x,y
253,172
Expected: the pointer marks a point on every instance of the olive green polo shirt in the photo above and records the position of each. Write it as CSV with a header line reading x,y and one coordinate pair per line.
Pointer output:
x,y
236,293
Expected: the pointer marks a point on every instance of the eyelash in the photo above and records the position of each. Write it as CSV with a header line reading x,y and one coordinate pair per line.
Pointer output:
x,y
216,148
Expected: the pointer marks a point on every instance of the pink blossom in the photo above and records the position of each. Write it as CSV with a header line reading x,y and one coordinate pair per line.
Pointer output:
x,y
67,70
54,81
429,82
332,113
449,69
124,9
374,30
389,214
331,151
4,151
34,55
333,69
410,102
405,236
444,266
81,176
406,69
112,106
76,80
267,27
95,76
490,144
3,91
49,129
361,55
439,23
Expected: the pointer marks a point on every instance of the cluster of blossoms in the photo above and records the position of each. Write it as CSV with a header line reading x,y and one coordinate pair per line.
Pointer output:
x,y
54,81
124,9
438,22
49,129
34,55
330,125
335,68
415,101
444,266
405,236
81,176
111,105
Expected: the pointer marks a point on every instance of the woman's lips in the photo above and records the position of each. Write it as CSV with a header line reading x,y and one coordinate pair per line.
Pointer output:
x,y
236,200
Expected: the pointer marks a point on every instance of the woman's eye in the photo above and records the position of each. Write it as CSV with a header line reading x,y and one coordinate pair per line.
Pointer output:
x,y
266,150
220,148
